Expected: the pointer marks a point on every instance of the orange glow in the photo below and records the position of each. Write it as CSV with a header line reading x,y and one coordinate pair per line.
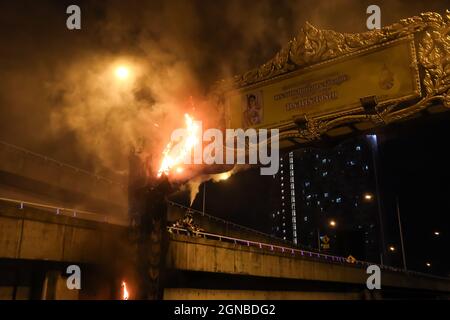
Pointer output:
x,y
122,72
173,157
125,294
179,170
222,176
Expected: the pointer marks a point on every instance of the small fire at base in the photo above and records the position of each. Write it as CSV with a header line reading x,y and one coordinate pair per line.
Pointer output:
x,y
125,294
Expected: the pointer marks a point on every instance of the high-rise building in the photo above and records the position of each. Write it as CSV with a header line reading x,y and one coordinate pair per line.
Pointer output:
x,y
327,199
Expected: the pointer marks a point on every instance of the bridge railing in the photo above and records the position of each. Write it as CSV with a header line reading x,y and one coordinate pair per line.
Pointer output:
x,y
226,222
295,253
73,213
60,164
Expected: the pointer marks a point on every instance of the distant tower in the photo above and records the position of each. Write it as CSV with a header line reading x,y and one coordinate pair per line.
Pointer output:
x,y
329,192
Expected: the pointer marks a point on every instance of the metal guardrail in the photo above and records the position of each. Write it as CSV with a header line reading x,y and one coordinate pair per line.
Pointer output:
x,y
299,253
226,222
73,213
98,217
60,164
260,245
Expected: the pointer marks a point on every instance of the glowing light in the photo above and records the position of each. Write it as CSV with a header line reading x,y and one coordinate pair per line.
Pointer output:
x,y
392,248
125,294
368,196
428,264
172,157
179,170
437,233
122,72
332,223
224,176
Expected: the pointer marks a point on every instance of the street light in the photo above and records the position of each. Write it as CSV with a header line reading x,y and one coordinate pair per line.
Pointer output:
x,y
368,196
437,233
428,264
392,248
332,223
122,72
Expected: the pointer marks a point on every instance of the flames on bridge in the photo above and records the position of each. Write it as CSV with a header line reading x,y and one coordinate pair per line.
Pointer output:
x,y
173,157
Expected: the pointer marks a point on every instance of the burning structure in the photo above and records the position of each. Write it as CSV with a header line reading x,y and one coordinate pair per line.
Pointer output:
x,y
147,196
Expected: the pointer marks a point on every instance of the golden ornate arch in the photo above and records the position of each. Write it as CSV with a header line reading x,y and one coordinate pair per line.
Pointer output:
x,y
430,35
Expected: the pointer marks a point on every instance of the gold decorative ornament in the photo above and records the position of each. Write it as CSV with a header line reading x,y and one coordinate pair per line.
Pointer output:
x,y
429,34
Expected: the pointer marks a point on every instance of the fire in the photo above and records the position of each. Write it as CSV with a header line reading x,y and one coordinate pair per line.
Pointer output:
x,y
222,176
173,157
125,294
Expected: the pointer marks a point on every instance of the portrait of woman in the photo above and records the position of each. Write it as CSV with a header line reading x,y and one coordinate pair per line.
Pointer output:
x,y
252,110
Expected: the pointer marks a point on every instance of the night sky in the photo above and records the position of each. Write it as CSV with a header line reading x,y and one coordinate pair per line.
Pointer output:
x,y
55,99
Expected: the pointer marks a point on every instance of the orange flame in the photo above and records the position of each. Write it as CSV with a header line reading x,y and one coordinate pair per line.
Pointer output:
x,y
174,157
125,294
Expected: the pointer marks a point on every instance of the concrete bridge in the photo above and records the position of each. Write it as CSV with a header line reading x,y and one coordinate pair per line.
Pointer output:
x,y
37,243
33,177
53,215
216,267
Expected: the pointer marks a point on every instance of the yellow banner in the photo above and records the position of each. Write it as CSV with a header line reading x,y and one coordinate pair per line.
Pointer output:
x,y
387,71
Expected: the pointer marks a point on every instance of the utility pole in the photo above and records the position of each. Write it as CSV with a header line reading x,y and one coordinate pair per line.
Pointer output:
x,y
318,239
204,196
401,234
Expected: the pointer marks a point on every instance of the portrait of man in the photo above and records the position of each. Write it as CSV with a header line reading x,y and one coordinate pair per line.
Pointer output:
x,y
252,109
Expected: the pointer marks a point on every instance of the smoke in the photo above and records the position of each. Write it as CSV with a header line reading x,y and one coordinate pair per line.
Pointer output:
x,y
193,185
60,96
109,114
